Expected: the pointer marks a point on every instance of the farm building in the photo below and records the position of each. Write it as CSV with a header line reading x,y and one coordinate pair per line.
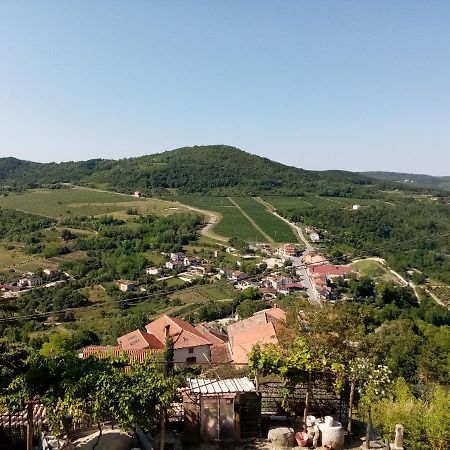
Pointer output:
x,y
221,410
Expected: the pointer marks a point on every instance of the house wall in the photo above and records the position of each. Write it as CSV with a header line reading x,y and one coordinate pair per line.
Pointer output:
x,y
181,354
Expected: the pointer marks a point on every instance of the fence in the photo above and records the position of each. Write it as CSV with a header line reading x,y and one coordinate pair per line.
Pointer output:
x,y
324,400
13,427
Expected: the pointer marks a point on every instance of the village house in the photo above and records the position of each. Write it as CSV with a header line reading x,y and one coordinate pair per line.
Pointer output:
x,y
220,352
247,283
328,270
30,280
105,351
260,328
314,258
190,345
236,275
290,288
174,265
152,270
288,250
137,194
189,261
49,272
177,256
126,286
139,340
314,236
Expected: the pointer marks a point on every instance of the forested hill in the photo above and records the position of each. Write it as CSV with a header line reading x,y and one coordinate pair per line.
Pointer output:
x,y
215,169
425,181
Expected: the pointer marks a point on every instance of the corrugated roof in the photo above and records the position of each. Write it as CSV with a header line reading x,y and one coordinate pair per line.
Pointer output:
x,y
228,386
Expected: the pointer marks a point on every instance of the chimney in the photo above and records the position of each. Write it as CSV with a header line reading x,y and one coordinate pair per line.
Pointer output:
x,y
166,330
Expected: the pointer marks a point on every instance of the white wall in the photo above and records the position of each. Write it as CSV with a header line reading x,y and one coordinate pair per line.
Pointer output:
x,y
181,354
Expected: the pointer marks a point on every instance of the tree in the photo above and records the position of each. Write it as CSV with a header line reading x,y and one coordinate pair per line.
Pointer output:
x,y
12,361
94,389
373,384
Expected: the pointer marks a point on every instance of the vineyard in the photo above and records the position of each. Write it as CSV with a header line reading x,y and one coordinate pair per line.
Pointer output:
x,y
442,293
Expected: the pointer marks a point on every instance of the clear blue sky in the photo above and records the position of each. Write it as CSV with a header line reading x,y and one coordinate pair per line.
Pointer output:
x,y
357,85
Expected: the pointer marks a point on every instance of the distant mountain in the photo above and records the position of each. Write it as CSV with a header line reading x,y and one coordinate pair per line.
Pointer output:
x,y
425,181
213,169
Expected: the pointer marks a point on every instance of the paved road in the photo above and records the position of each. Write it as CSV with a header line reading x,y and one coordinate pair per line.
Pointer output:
x,y
298,262
298,230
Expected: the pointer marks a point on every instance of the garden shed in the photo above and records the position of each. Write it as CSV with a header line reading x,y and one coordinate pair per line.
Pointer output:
x,y
221,410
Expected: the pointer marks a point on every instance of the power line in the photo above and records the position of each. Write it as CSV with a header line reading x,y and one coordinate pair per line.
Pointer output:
x,y
129,302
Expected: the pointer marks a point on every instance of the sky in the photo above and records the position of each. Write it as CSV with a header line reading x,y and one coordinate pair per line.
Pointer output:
x,y
355,85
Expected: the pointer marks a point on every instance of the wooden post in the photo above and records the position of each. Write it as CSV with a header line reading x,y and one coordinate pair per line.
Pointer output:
x,y
350,406
29,425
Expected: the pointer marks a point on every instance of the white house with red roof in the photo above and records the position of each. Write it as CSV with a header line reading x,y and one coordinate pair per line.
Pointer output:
x,y
190,345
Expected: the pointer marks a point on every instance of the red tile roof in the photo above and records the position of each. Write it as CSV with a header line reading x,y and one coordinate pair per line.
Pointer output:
x,y
134,355
261,328
138,339
183,333
242,342
220,354
214,336
329,270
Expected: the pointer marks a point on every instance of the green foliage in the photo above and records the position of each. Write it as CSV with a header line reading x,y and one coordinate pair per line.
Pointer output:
x,y
92,389
12,361
249,307
17,226
54,299
278,230
426,419
400,233
58,344
215,169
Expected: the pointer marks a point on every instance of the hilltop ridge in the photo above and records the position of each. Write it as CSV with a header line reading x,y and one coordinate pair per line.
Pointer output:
x,y
212,169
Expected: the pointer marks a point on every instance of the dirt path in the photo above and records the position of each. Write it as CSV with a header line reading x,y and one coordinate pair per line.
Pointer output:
x,y
296,229
207,231
214,218
255,225
267,205
402,280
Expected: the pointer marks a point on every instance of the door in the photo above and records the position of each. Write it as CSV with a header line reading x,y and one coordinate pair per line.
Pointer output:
x,y
210,419
226,419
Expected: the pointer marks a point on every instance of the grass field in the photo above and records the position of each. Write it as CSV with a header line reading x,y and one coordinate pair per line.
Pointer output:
x,y
204,202
235,224
375,270
232,222
73,202
20,262
315,200
204,293
278,230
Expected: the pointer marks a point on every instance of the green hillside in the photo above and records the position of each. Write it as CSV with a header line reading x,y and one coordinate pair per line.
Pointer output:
x,y
411,179
216,170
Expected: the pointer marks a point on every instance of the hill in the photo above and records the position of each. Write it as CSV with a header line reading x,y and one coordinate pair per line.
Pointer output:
x,y
215,169
425,181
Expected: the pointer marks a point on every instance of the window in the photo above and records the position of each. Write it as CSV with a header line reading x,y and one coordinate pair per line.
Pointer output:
x,y
191,360
191,350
